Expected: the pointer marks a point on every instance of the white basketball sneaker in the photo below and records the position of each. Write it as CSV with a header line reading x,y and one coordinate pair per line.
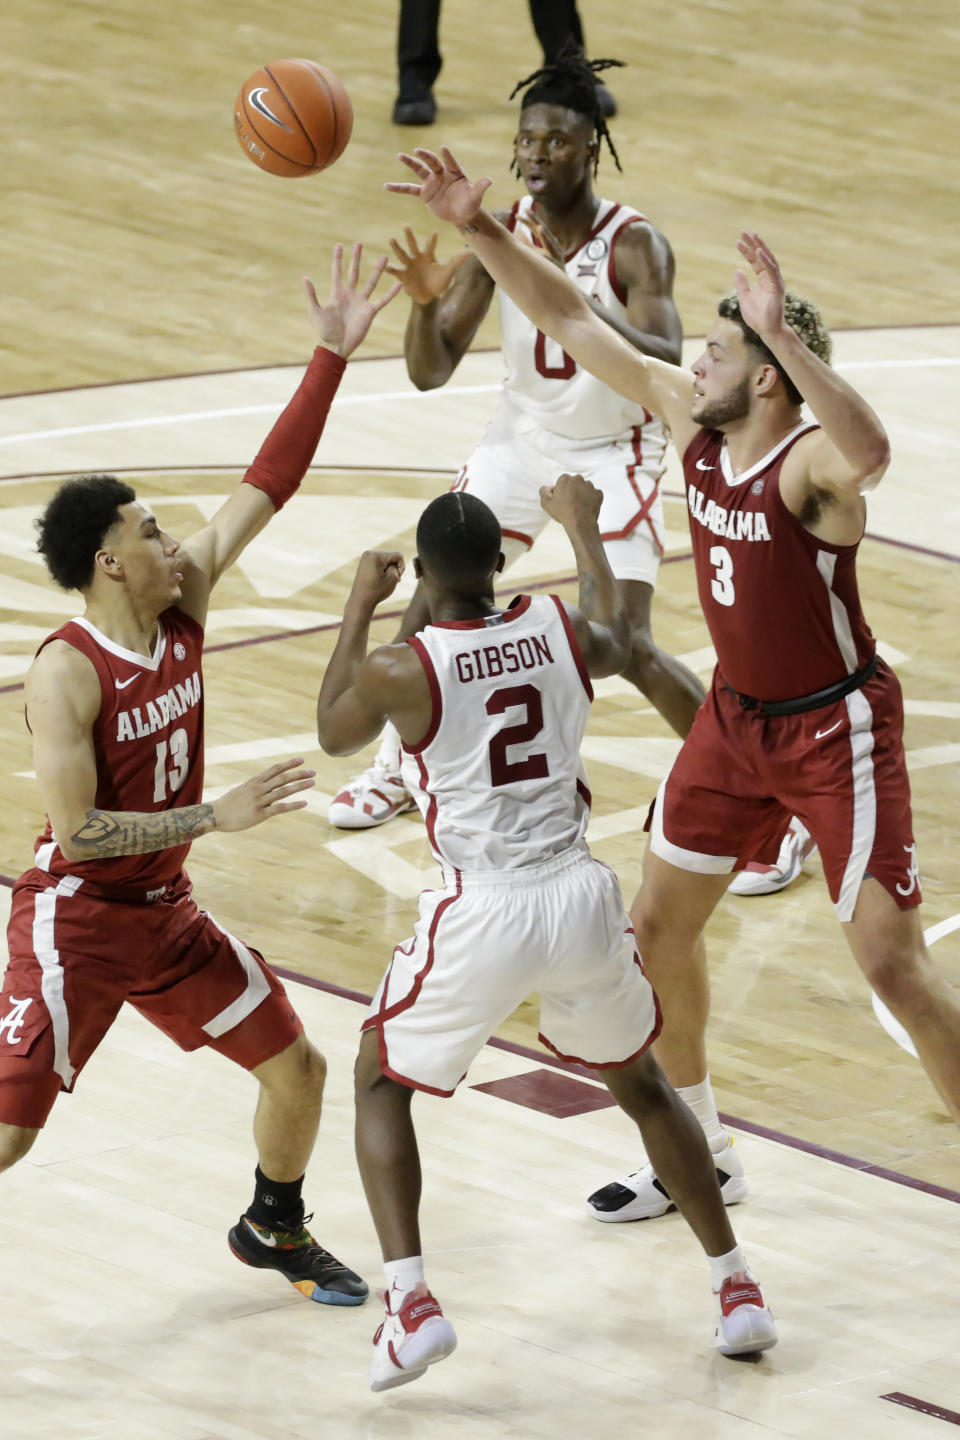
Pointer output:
x,y
416,1336
746,1324
371,799
378,794
798,844
641,1196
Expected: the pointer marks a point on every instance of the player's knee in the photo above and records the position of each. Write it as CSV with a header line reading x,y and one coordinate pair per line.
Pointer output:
x,y
15,1141
314,1070
900,975
296,1074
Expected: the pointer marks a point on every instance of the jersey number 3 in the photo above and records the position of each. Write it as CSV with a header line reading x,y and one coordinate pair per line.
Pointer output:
x,y
721,586
534,767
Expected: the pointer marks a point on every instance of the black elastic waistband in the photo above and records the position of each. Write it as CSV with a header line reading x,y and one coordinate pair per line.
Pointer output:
x,y
816,701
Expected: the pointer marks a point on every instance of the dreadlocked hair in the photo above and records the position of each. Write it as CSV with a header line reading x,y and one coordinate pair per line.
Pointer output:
x,y
804,320
570,81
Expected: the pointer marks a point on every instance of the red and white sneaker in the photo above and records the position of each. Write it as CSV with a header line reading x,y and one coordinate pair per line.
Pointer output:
x,y
798,845
746,1325
416,1336
371,799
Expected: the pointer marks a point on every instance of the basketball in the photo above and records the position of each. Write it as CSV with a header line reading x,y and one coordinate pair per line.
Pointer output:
x,y
293,117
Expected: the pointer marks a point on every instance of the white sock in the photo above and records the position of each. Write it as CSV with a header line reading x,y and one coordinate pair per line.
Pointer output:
x,y
389,753
701,1102
403,1276
723,1266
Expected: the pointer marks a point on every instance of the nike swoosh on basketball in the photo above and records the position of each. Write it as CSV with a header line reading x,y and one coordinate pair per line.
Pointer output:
x,y
701,466
821,733
122,684
257,101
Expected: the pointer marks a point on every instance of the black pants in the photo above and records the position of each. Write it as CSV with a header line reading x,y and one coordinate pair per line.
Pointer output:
x,y
418,48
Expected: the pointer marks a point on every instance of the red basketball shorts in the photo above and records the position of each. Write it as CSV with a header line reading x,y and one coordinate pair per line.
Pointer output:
x,y
740,776
75,957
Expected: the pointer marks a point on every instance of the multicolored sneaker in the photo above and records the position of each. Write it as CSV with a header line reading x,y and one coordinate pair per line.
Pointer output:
x,y
746,1325
797,845
371,799
293,1251
641,1196
410,1339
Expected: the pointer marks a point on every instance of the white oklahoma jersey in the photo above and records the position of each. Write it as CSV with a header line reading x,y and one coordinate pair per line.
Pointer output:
x,y
543,380
498,775
554,416
523,907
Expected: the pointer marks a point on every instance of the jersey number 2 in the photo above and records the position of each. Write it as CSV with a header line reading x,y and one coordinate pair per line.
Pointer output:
x,y
534,767
178,772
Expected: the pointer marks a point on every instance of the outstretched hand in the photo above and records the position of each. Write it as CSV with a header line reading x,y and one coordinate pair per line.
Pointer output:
x,y
422,275
762,304
347,316
263,796
445,190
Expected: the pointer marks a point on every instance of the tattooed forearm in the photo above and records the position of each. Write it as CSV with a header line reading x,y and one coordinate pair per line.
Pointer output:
x,y
118,832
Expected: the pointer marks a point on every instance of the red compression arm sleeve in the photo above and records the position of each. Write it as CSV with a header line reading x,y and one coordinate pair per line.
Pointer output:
x,y
286,453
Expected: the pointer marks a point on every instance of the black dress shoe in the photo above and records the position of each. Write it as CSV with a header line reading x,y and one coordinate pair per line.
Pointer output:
x,y
608,105
422,111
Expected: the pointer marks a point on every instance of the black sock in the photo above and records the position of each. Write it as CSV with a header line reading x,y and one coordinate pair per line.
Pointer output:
x,y
276,1202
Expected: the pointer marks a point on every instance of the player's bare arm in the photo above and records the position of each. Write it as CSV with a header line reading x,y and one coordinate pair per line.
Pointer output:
x,y
360,692
645,270
449,301
341,324
547,296
63,700
851,451
600,619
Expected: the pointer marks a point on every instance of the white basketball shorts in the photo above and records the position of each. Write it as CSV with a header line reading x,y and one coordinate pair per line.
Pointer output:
x,y
516,456
485,942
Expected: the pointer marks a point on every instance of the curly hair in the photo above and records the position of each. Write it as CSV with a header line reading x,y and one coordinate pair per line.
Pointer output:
x,y
570,81
72,528
804,320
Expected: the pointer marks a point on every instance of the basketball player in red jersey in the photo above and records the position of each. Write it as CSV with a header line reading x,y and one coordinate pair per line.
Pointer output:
x,y
802,716
105,915
553,416
492,705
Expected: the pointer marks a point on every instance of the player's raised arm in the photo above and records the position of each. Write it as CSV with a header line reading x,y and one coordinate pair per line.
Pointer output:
x,y
546,295
275,475
360,692
449,299
851,451
600,619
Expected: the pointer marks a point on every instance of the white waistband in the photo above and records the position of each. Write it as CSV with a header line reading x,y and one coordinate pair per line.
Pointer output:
x,y
525,875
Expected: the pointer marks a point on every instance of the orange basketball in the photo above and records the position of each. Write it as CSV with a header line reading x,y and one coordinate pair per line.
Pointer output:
x,y
293,117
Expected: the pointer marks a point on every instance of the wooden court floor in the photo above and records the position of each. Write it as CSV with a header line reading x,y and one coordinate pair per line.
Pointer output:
x,y
823,1101
139,244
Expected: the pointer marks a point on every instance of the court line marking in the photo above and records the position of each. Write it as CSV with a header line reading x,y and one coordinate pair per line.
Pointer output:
x,y
188,417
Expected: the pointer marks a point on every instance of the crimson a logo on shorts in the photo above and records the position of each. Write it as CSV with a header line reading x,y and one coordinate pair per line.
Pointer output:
x,y
179,651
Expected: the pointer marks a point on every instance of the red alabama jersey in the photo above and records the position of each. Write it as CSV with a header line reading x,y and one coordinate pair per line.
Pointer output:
x,y
148,741
782,606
